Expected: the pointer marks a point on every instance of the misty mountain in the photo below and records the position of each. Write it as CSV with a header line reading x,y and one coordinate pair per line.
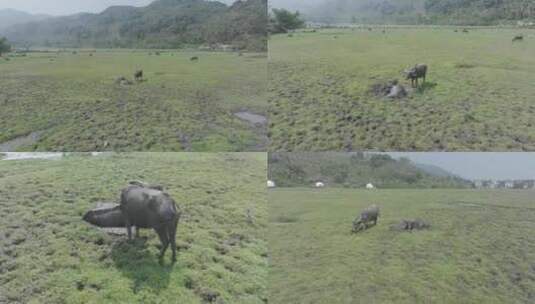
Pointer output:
x,y
10,17
356,170
434,170
162,24
456,12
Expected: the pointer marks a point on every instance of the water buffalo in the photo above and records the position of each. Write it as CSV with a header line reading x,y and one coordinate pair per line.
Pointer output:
x,y
138,75
194,58
107,216
141,206
366,217
415,73
518,38
151,208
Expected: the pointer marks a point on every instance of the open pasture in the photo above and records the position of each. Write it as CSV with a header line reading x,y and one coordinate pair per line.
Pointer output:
x,y
479,93
48,254
480,247
70,101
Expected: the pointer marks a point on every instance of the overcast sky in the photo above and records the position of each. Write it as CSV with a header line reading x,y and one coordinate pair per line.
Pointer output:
x,y
480,165
67,7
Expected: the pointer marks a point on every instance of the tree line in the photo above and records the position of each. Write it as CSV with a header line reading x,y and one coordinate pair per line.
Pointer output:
x,y
355,170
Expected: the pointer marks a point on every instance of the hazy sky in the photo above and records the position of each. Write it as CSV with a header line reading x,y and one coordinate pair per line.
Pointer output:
x,y
294,4
67,7
480,165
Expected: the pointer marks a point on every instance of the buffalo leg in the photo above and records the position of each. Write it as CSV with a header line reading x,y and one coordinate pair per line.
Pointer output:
x,y
172,237
129,229
164,239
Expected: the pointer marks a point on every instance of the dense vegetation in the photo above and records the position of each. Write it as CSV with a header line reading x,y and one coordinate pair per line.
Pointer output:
x,y
468,12
4,46
49,255
282,21
354,170
162,24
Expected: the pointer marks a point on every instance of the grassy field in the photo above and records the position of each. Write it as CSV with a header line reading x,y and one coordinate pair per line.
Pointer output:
x,y
478,96
72,101
480,247
49,255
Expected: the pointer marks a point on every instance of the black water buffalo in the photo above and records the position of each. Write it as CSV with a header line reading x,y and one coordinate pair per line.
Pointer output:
x,y
367,216
141,206
415,73
151,208
194,58
138,75
518,38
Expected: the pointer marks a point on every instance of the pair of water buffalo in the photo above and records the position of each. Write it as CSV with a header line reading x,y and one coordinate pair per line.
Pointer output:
x,y
369,216
141,206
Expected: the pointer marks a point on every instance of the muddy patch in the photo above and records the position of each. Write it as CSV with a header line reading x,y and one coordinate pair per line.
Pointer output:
x,y
252,118
389,89
14,144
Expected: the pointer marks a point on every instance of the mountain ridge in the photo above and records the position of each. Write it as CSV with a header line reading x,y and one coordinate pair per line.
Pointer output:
x,y
161,24
10,17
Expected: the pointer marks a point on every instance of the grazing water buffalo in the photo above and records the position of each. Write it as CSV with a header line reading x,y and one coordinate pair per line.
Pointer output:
x,y
142,206
415,73
518,38
151,208
369,215
194,58
138,75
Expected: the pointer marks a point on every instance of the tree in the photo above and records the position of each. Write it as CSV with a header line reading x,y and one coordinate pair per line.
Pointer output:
x,y
4,46
284,20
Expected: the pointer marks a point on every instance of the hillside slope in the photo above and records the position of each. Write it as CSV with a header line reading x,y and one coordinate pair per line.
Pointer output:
x,y
162,24
10,17
455,12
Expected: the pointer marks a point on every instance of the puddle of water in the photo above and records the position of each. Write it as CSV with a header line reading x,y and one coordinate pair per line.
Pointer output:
x,y
251,117
12,145
30,155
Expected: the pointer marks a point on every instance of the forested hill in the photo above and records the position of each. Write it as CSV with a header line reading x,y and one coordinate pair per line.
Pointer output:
x,y
9,17
162,24
454,12
356,170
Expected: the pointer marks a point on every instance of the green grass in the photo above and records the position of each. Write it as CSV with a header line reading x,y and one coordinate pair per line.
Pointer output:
x,y
49,255
479,95
480,247
183,105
